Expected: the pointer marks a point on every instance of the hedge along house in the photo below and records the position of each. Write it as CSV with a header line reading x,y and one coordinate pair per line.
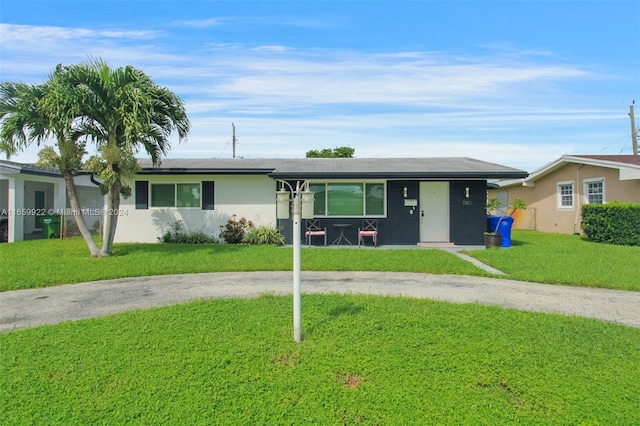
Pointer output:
x,y
416,200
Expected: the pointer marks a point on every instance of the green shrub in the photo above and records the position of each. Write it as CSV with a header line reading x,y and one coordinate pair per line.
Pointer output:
x,y
613,223
263,235
233,231
175,235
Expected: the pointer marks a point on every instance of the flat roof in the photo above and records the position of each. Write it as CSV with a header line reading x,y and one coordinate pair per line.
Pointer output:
x,y
10,167
319,168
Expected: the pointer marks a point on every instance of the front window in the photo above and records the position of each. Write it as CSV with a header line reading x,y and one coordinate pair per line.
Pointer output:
x,y
345,199
594,191
163,195
349,199
175,195
374,200
565,195
188,195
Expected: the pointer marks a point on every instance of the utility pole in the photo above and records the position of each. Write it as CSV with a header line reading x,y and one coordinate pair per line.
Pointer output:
x,y
234,139
634,130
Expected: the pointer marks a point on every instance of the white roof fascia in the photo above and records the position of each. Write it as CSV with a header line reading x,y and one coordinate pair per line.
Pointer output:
x,y
626,171
529,182
544,170
629,173
511,182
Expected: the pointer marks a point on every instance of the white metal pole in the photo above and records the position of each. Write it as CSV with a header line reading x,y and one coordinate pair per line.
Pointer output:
x,y
296,265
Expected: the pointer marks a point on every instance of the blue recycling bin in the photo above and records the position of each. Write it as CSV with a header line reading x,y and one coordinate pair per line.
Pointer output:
x,y
504,228
492,223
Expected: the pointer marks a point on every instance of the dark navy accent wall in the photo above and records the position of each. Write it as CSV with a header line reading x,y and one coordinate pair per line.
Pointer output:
x,y
401,227
284,226
467,216
351,232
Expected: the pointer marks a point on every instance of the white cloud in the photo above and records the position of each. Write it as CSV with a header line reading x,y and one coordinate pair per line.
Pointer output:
x,y
10,33
200,23
285,100
252,21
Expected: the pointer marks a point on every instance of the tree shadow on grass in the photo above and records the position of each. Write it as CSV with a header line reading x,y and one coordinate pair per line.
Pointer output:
x,y
346,309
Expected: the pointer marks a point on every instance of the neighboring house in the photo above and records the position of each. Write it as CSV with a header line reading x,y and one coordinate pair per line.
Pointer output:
x,y
430,200
556,192
27,192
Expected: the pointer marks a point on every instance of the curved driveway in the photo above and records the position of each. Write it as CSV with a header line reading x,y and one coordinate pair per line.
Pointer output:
x,y
51,305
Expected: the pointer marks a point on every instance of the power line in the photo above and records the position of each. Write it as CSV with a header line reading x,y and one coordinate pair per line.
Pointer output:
x,y
234,141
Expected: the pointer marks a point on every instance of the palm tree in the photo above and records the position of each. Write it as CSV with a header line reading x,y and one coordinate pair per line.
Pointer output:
x,y
35,113
124,111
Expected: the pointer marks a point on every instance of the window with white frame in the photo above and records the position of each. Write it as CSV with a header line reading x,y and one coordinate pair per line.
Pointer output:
x,y
349,199
594,191
565,195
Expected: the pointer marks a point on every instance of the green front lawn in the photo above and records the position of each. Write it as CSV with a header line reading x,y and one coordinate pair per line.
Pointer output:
x,y
33,264
363,360
534,256
566,259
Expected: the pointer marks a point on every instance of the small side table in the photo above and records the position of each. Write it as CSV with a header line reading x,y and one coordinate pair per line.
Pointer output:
x,y
341,237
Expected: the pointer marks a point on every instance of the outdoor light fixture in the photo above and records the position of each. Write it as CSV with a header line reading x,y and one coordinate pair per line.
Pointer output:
x,y
301,199
307,204
466,192
404,192
282,203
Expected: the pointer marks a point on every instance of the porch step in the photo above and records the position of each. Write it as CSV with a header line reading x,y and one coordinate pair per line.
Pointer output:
x,y
437,245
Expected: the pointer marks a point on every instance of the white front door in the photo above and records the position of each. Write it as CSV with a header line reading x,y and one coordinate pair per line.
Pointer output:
x,y
434,212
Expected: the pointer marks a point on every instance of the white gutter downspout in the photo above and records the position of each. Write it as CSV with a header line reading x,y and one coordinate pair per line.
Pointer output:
x,y
575,222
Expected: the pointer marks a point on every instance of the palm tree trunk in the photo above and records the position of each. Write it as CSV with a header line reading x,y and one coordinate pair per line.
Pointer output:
x,y
111,218
77,214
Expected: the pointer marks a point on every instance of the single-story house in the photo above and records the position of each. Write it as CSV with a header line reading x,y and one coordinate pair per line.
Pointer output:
x,y
556,192
415,200
28,192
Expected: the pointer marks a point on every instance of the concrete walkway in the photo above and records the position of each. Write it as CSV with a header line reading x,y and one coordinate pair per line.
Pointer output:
x,y
51,305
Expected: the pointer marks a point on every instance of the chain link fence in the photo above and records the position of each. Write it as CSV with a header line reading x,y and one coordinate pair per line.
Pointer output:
x,y
69,226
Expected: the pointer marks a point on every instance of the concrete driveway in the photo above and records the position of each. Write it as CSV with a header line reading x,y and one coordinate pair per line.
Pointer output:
x,y
51,305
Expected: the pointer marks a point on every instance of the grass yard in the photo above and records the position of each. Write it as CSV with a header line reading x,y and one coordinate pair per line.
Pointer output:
x,y
363,360
565,259
534,256
33,264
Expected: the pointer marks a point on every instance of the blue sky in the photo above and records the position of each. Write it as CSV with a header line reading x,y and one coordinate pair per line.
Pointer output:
x,y
512,82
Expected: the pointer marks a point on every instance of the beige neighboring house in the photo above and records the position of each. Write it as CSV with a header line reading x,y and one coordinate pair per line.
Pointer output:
x,y
556,192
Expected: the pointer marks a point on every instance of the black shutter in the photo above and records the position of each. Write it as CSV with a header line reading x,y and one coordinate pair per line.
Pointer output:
x,y
207,195
142,194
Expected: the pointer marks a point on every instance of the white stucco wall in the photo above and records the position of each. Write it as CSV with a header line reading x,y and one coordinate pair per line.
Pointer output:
x,y
21,190
17,192
252,197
